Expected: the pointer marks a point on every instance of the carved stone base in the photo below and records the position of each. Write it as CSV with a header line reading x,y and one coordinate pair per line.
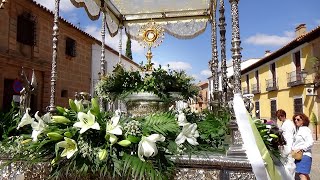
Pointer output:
x,y
206,167
213,168
236,149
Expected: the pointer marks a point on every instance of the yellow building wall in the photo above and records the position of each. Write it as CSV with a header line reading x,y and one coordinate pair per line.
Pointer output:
x,y
284,95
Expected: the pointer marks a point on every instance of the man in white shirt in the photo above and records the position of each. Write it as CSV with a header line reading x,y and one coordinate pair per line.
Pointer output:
x,y
289,129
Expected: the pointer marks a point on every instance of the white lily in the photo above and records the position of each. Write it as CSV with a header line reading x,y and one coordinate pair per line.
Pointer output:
x,y
86,122
37,127
190,133
47,118
118,112
182,120
147,146
70,147
113,128
181,105
26,119
79,105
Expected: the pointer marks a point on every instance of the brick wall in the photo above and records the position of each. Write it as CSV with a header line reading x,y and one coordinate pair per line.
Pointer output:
x,y
74,73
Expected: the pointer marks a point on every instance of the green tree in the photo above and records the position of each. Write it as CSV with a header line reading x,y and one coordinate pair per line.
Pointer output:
x,y
128,48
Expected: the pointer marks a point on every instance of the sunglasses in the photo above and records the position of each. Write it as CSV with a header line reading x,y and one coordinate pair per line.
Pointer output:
x,y
298,119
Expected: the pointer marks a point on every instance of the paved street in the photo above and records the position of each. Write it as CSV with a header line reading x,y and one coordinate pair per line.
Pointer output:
x,y
315,170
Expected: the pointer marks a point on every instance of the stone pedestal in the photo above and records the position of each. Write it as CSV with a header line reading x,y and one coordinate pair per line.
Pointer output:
x,y
236,149
213,167
205,167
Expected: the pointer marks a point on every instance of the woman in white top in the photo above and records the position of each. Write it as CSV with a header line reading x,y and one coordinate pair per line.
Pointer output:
x,y
289,130
303,141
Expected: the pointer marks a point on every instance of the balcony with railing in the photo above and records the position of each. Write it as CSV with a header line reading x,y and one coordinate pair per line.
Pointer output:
x,y
245,90
271,84
255,89
294,78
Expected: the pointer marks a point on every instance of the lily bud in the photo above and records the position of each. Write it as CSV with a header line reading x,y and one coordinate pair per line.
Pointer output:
x,y
67,134
273,135
95,109
26,141
73,105
55,136
124,143
103,154
60,109
60,119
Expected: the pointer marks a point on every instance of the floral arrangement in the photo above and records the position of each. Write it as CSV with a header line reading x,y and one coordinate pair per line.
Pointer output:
x,y
160,82
271,136
82,140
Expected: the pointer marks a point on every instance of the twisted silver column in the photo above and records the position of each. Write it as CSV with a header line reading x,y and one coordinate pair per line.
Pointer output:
x,y
102,60
52,107
236,148
236,54
222,27
103,37
213,64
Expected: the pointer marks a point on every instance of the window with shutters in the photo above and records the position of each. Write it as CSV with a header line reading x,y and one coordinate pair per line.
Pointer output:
x,y
273,105
297,105
71,47
26,29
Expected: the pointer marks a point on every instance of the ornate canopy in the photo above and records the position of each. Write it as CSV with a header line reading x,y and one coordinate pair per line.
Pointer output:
x,y
180,18
146,20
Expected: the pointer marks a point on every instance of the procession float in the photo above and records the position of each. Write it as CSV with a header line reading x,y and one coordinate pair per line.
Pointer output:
x,y
157,136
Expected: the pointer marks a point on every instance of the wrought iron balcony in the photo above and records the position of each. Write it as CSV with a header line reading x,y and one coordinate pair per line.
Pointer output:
x,y
295,78
271,84
255,88
245,90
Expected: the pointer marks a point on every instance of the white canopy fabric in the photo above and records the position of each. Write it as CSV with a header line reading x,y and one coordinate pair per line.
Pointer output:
x,y
183,19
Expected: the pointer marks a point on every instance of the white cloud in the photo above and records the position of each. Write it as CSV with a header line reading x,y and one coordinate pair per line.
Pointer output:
x,y
73,18
206,73
271,40
113,42
178,65
196,78
65,5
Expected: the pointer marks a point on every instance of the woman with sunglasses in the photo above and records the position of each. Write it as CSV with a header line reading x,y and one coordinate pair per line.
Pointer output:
x,y
303,142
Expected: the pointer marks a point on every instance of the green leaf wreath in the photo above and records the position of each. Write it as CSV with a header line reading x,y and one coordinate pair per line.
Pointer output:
x,y
121,82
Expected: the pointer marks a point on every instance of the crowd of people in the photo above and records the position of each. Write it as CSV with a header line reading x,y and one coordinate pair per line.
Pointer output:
x,y
296,154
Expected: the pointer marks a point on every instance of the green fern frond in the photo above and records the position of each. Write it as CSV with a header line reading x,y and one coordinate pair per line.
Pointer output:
x,y
163,123
136,169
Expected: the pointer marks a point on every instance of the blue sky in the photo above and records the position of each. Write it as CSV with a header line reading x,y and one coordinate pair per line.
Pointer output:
x,y
264,25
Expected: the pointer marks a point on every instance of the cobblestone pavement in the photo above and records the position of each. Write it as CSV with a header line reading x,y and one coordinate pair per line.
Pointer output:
x,y
315,169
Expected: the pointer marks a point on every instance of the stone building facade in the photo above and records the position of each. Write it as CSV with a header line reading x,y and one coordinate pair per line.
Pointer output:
x,y
26,41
